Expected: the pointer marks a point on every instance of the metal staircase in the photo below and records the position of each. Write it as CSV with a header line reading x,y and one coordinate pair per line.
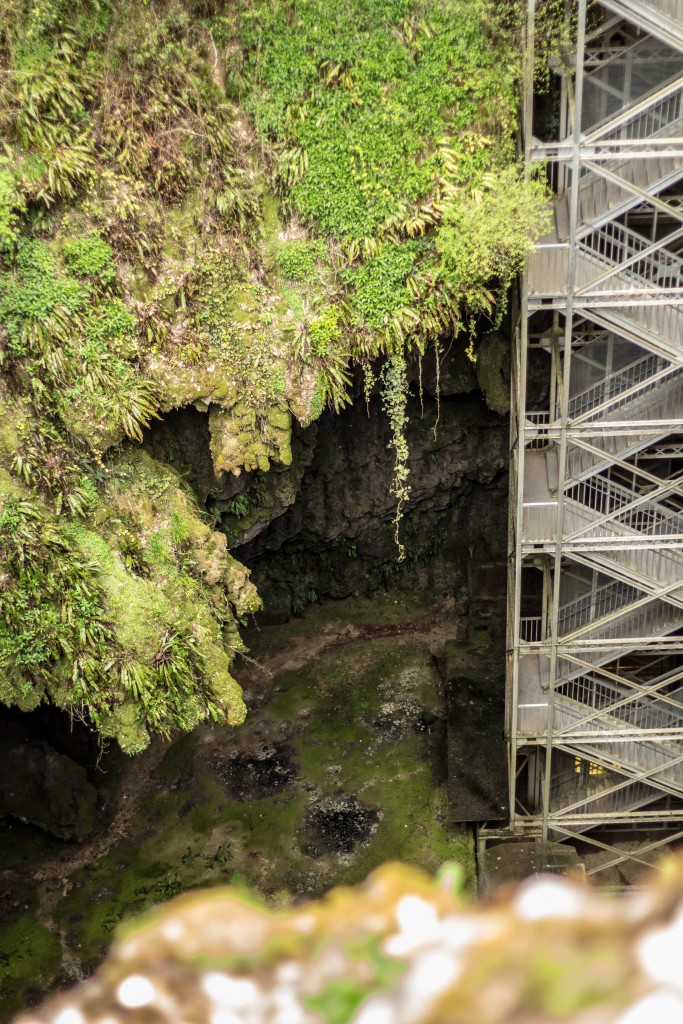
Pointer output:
x,y
619,184
662,19
613,267
595,594
649,389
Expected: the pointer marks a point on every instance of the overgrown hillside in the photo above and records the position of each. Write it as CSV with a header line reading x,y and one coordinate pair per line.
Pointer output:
x,y
224,204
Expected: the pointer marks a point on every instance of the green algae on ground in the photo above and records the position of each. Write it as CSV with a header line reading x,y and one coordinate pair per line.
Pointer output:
x,y
339,767
30,958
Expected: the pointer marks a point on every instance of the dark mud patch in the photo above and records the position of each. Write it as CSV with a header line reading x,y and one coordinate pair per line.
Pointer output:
x,y
255,773
338,825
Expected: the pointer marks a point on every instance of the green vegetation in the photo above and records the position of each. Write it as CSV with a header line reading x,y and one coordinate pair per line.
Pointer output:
x,y
72,345
391,127
122,627
394,395
50,608
298,259
226,205
387,123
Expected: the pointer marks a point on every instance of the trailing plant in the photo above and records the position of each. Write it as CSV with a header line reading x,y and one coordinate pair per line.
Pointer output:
x,y
394,395
369,382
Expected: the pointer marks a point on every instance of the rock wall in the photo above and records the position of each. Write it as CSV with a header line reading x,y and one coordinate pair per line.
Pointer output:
x,y
337,537
321,526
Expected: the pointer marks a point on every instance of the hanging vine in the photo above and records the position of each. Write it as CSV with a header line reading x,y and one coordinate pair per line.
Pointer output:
x,y
369,381
394,401
437,361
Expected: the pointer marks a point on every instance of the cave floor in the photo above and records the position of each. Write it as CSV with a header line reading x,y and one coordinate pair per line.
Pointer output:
x,y
340,767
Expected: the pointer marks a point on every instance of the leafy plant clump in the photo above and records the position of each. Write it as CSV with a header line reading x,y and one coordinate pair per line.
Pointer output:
x,y
298,259
57,641
52,632
386,124
71,343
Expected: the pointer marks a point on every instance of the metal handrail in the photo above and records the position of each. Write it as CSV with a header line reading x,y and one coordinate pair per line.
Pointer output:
x,y
628,253
530,628
641,614
590,607
615,503
669,8
608,391
650,117
607,799
602,696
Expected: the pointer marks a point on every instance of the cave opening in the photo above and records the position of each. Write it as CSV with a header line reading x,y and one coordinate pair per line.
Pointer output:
x,y
322,527
374,687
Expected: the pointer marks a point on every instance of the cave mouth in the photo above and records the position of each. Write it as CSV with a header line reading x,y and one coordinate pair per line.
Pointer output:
x,y
351,754
322,528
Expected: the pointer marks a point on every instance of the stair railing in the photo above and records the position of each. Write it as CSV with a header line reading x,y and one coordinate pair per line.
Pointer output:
x,y
616,389
655,115
640,261
595,605
615,503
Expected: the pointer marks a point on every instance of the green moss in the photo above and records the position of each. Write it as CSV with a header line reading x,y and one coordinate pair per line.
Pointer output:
x,y
31,959
177,762
348,727
272,225
241,438
125,613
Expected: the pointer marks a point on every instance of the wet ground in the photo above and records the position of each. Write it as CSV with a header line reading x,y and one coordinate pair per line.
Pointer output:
x,y
340,766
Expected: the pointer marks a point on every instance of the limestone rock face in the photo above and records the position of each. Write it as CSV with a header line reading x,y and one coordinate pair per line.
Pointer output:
x,y
242,439
45,788
337,538
493,371
400,949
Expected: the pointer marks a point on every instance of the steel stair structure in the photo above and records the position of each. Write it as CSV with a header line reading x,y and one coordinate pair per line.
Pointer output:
x,y
662,19
595,582
619,184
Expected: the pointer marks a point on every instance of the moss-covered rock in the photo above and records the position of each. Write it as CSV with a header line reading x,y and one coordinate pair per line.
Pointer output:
x,y
40,786
493,371
164,570
243,439
158,251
